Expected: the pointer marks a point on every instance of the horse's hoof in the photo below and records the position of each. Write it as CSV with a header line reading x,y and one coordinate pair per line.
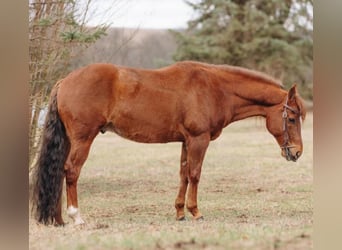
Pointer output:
x,y
200,218
181,218
79,222
59,224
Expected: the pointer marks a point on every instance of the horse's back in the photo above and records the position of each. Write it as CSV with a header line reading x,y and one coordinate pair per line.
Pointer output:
x,y
142,105
137,104
92,83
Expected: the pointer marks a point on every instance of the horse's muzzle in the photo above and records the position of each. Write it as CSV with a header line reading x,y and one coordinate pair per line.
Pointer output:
x,y
289,155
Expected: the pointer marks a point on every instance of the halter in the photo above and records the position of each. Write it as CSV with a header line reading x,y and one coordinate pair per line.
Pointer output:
x,y
286,145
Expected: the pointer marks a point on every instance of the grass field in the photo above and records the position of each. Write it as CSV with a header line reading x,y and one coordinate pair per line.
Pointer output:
x,y
250,196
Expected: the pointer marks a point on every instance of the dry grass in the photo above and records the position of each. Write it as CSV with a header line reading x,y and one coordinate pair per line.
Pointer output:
x,y
250,196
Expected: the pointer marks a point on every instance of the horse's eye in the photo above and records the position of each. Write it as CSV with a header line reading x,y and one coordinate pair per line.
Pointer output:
x,y
292,120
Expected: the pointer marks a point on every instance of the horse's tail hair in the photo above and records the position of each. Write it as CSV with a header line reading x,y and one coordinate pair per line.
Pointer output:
x,y
49,170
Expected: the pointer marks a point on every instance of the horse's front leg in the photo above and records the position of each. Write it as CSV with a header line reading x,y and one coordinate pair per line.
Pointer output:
x,y
183,185
196,147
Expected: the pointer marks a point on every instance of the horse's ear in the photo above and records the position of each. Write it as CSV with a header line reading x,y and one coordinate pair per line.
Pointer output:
x,y
293,91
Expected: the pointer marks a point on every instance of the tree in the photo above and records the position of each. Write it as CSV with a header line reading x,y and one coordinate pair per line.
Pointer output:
x,y
142,48
271,36
56,29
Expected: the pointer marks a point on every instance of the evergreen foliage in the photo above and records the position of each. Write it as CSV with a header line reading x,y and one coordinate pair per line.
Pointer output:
x,y
273,36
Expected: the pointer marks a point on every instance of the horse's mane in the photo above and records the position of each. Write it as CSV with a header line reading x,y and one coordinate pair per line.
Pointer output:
x,y
248,73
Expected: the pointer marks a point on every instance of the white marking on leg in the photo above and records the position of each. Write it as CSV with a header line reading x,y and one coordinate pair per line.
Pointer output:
x,y
74,213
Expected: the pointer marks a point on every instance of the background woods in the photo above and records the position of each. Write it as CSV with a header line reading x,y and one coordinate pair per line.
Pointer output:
x,y
145,48
275,37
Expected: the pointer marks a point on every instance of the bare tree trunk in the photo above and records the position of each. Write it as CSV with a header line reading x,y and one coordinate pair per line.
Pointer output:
x,y
55,30
34,126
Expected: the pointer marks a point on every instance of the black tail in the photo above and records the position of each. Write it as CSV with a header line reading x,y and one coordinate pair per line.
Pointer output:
x,y
49,172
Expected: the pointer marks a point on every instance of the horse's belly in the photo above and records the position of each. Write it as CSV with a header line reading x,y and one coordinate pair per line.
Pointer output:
x,y
145,132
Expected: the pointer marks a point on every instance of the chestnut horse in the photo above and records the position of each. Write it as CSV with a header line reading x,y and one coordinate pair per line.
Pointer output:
x,y
187,102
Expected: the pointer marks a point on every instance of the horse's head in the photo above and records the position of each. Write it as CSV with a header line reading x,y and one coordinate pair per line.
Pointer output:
x,y
283,121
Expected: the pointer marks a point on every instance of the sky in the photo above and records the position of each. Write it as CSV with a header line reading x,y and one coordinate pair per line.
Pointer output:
x,y
155,14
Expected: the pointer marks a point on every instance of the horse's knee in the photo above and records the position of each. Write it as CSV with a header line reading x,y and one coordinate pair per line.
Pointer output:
x,y
194,177
179,204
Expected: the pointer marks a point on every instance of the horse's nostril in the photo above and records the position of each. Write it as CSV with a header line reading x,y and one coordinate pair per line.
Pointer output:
x,y
298,154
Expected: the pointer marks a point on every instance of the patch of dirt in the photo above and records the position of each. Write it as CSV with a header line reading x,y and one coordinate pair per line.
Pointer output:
x,y
302,241
100,226
191,244
243,218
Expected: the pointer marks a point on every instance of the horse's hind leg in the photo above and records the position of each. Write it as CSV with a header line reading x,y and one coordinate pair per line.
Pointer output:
x,y
183,185
79,151
58,217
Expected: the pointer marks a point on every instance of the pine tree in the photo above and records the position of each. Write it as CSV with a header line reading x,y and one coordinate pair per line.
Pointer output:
x,y
273,36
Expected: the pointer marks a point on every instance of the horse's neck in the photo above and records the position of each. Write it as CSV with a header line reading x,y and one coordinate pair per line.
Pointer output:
x,y
255,99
